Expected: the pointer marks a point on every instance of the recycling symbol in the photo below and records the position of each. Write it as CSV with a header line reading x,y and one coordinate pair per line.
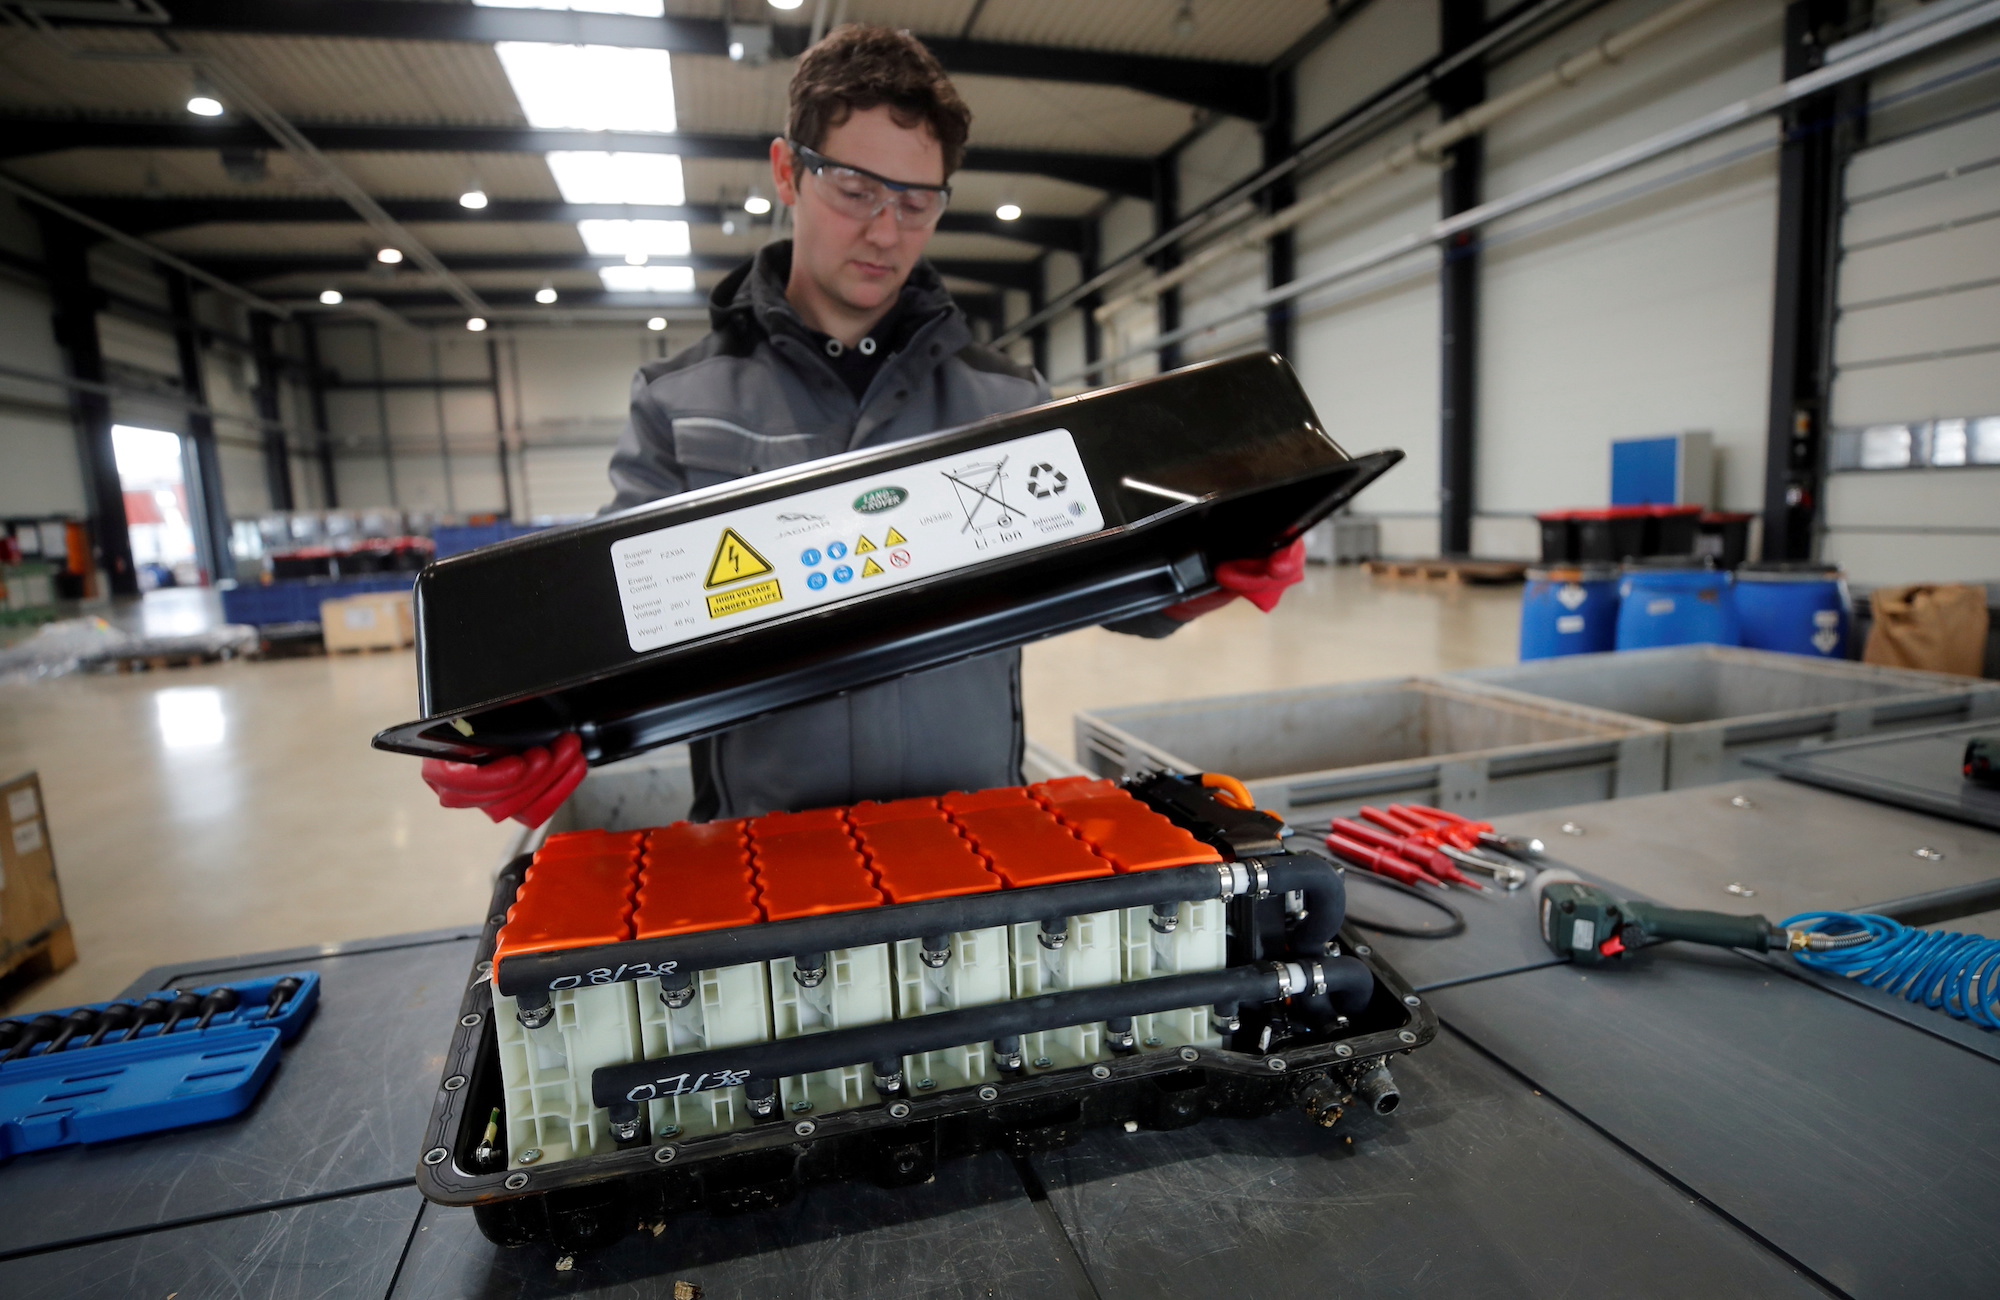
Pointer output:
x,y
1045,480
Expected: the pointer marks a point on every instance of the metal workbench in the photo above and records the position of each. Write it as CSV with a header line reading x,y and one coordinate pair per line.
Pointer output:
x,y
1704,1123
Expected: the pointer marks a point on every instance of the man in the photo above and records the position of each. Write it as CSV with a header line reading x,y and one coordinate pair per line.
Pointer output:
x,y
842,337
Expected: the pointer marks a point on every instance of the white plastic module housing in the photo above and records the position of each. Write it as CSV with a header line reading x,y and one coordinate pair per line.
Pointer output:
x,y
855,990
545,1073
977,974
1090,957
729,1009
1199,941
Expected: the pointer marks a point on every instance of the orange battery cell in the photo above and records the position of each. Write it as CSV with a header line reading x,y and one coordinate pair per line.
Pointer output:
x,y
695,877
809,872
1027,846
1132,835
1065,789
569,902
924,857
815,819
869,814
591,844
710,848
1006,796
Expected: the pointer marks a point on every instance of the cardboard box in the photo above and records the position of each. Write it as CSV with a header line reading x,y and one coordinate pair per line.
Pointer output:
x,y
32,925
379,620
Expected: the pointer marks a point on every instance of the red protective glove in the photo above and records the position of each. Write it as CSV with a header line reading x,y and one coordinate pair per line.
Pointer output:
x,y
528,787
1261,582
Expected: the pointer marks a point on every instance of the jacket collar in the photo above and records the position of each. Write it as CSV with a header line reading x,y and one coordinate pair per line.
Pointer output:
x,y
752,297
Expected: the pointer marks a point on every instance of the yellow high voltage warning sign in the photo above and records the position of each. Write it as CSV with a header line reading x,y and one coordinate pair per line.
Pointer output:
x,y
735,560
895,539
863,546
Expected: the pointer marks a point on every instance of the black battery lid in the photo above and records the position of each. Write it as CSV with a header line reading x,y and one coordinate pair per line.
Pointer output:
x,y
689,615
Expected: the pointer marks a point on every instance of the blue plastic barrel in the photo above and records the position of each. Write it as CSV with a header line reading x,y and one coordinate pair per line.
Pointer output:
x,y
1569,610
1672,601
1794,608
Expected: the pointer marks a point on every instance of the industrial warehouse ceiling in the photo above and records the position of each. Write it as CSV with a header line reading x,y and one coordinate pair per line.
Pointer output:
x,y
421,103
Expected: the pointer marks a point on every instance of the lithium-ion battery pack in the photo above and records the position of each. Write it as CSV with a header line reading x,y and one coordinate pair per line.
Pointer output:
x,y
690,615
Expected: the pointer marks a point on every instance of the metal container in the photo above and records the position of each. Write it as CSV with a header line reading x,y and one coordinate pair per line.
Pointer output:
x,y
1722,703
1323,751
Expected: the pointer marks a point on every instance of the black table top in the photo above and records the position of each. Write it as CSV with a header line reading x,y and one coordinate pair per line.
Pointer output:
x,y
1701,1123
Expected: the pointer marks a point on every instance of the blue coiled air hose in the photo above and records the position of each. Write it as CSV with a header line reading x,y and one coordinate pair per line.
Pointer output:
x,y
1958,974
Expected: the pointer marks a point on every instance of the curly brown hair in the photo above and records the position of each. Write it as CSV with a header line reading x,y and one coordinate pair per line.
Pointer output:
x,y
858,67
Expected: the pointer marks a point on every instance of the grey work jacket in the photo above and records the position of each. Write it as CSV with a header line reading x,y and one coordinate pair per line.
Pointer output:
x,y
758,394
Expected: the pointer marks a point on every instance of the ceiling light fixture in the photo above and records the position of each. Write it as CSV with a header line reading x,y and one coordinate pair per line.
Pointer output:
x,y
634,8
389,256
1008,212
602,238
750,44
590,87
330,298
474,198
649,178
635,258
546,294
756,204
202,101
647,279
657,324
476,324
786,5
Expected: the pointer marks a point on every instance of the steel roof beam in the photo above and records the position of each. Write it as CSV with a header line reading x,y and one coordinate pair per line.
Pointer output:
x,y
1236,88
1118,173
141,215
244,270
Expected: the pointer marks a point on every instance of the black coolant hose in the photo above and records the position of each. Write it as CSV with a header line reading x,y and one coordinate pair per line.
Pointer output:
x,y
1325,895
530,976
1347,983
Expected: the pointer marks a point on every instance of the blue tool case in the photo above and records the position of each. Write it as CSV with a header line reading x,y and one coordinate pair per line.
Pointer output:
x,y
83,1074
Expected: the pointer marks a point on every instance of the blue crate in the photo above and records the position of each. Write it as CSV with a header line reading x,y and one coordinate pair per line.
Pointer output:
x,y
456,539
156,1081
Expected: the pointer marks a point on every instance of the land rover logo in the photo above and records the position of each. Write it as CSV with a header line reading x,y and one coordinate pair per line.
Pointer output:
x,y
875,500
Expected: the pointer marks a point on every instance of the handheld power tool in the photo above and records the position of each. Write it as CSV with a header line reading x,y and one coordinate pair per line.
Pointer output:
x,y
1592,927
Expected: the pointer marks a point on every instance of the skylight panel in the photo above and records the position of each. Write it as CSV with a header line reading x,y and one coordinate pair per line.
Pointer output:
x,y
590,87
648,279
637,8
619,238
651,178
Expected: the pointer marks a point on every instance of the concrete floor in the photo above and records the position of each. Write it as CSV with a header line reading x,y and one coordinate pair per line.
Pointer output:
x,y
237,807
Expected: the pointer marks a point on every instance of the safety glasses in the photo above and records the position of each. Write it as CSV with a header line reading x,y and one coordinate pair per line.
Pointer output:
x,y
862,195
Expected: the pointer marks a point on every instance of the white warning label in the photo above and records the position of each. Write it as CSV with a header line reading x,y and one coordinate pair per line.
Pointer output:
x,y
747,566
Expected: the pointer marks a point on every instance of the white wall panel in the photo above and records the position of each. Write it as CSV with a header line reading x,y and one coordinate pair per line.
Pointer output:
x,y
1968,385
244,489
1645,322
1367,351
1639,313
1371,50
39,471
564,481
1062,272
1126,224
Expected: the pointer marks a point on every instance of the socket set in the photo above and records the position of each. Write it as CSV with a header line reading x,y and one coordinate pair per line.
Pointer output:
x,y
110,1070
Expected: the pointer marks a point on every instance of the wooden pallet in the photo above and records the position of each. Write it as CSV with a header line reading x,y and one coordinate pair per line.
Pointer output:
x,y
50,953
180,659
1457,573
368,649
